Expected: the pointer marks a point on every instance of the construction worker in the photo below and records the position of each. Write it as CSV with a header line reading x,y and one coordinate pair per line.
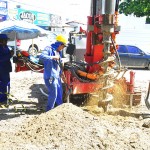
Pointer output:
x,y
51,58
5,67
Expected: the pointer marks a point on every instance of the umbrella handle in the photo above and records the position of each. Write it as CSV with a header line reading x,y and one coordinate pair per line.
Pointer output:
x,y
15,46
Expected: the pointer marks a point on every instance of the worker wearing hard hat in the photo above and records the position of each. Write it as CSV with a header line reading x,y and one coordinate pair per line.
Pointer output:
x,y
5,67
51,57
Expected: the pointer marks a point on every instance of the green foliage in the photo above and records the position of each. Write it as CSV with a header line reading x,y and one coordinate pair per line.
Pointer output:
x,y
139,8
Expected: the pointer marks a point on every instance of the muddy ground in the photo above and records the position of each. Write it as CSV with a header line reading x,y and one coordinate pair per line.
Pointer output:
x,y
25,125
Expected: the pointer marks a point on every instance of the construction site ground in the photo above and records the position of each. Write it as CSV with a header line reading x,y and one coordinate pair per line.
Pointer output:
x,y
25,125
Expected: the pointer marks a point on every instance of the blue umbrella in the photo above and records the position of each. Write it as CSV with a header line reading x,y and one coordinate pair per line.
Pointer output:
x,y
22,30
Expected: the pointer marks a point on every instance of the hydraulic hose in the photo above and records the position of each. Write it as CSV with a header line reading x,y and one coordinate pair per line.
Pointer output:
x,y
72,69
88,64
29,64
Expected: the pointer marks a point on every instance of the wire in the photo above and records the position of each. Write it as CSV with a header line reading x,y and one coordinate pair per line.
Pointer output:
x,y
118,57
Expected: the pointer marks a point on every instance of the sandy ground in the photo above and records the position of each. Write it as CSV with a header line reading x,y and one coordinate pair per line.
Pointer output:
x,y
25,125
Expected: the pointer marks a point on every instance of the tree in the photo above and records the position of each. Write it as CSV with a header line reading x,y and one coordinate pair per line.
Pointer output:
x,y
139,8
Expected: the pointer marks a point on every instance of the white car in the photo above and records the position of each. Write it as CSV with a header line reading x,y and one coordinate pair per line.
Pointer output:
x,y
34,46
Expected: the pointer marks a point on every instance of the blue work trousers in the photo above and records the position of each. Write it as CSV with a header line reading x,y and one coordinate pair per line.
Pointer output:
x,y
55,92
4,86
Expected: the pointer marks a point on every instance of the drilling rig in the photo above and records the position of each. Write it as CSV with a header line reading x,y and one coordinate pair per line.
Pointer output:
x,y
97,72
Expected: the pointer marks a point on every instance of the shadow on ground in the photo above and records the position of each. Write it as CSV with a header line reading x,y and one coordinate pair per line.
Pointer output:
x,y
35,104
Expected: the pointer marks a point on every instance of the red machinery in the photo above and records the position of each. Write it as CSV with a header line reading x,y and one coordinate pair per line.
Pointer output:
x,y
96,73
24,62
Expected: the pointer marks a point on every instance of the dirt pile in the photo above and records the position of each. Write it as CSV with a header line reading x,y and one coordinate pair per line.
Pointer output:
x,y
65,127
69,127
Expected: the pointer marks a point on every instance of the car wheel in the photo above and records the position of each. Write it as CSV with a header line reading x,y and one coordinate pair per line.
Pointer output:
x,y
148,66
33,50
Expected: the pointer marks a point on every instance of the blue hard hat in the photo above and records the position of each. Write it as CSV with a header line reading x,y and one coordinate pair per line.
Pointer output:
x,y
3,36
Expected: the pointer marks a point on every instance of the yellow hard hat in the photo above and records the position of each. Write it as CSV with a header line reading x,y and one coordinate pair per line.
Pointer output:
x,y
61,38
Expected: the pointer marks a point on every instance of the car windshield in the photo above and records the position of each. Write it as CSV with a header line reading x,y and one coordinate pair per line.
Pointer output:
x,y
133,49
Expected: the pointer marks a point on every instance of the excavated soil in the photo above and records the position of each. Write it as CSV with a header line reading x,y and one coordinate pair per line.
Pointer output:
x,y
25,125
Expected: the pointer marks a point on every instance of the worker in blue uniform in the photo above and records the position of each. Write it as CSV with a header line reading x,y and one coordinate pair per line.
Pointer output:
x,y
51,58
5,67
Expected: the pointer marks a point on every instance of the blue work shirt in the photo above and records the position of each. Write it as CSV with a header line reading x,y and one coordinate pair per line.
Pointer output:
x,y
5,55
50,65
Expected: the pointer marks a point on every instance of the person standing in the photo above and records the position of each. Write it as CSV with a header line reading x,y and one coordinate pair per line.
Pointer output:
x,y
5,67
51,58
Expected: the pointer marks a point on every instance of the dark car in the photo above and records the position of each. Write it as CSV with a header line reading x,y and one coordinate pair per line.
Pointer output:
x,y
133,57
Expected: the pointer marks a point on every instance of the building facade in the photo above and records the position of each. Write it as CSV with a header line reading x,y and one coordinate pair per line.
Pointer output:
x,y
47,21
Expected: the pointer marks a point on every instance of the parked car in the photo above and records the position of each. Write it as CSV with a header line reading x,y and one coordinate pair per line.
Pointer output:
x,y
38,43
133,57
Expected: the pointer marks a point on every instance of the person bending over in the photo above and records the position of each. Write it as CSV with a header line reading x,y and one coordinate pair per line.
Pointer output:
x,y
51,58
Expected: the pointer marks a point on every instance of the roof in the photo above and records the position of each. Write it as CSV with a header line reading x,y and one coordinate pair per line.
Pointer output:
x,y
75,23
